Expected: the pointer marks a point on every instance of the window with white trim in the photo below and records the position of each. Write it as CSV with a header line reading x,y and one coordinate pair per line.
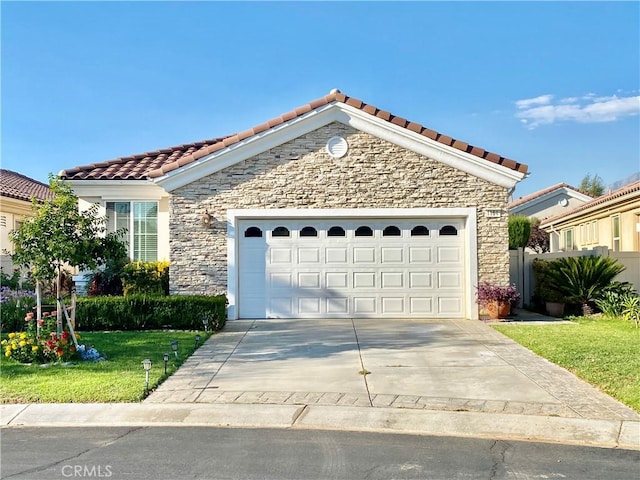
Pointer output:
x,y
140,221
615,229
567,239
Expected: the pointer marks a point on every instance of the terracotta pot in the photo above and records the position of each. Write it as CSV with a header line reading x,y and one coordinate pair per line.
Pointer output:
x,y
498,310
555,309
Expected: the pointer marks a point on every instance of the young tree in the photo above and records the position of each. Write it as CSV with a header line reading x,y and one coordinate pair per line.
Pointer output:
x,y
59,234
519,231
538,239
592,186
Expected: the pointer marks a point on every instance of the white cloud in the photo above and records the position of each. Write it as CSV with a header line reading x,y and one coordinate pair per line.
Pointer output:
x,y
528,102
589,108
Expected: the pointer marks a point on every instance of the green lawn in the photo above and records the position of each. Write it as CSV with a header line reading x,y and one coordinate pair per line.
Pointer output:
x,y
118,379
604,352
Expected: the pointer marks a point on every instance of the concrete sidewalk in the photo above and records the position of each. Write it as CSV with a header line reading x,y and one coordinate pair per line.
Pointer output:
x,y
458,378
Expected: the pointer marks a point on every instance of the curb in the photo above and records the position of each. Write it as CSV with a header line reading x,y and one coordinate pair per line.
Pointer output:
x,y
573,431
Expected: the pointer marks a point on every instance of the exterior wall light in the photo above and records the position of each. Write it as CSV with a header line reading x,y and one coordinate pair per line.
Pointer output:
x,y
206,219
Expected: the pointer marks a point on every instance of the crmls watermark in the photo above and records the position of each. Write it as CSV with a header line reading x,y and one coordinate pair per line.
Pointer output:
x,y
87,471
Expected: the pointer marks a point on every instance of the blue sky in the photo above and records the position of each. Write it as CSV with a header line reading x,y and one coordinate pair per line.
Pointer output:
x,y
552,85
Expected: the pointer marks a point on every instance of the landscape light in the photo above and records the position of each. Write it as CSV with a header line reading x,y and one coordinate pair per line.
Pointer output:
x,y
146,364
165,357
197,340
174,347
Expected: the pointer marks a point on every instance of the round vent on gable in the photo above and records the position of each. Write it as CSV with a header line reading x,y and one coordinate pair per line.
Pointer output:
x,y
337,147
563,202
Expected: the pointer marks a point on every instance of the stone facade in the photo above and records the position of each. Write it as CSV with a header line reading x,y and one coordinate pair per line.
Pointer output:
x,y
300,174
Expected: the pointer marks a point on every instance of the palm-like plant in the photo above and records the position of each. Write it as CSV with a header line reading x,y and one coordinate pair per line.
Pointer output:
x,y
580,279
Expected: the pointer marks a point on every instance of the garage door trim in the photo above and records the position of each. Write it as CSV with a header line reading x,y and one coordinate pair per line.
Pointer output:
x,y
469,215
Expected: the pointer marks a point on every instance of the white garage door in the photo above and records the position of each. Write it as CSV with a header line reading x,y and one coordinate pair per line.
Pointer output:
x,y
351,268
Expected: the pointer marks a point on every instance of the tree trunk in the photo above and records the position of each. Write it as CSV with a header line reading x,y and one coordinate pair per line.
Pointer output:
x,y
59,302
38,306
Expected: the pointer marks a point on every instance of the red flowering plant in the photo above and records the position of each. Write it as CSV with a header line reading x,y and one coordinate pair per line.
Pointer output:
x,y
47,346
488,293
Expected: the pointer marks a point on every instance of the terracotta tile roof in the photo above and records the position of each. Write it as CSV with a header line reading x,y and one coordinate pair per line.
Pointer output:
x,y
135,167
540,193
620,192
159,163
21,187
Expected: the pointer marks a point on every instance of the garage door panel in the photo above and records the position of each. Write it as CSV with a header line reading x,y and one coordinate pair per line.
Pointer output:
x,y
392,280
364,305
420,280
280,256
277,280
364,255
449,280
309,255
336,279
336,255
449,255
280,307
450,305
420,255
421,305
392,305
309,305
364,279
338,305
391,255
308,280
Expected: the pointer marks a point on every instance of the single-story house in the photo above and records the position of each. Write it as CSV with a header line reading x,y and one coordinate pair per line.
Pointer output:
x,y
16,192
548,202
611,220
334,209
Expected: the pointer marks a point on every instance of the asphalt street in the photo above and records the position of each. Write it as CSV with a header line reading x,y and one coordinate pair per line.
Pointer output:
x,y
141,453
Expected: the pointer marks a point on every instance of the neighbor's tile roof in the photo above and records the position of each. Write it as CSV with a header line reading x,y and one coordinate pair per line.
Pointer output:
x,y
540,193
18,186
158,163
616,194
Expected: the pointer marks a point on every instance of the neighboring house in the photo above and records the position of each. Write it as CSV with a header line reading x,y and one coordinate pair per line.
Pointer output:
x,y
611,220
334,209
16,192
549,202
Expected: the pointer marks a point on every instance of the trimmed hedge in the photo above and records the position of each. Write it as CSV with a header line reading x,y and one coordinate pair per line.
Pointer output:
x,y
141,312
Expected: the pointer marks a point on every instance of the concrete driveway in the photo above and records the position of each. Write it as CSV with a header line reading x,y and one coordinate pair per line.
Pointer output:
x,y
454,365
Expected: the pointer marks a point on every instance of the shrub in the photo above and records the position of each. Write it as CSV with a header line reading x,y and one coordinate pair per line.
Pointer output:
x,y
631,309
15,304
542,291
519,231
140,312
611,299
145,278
582,279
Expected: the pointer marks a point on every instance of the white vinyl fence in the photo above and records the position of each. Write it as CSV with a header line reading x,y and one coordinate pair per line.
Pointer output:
x,y
521,267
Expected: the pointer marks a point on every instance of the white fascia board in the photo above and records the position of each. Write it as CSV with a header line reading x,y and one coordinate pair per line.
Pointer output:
x,y
248,148
348,115
604,208
440,152
554,193
234,214
108,190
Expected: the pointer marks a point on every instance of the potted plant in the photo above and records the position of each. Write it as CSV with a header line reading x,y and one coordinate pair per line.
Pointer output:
x,y
554,301
547,296
497,300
